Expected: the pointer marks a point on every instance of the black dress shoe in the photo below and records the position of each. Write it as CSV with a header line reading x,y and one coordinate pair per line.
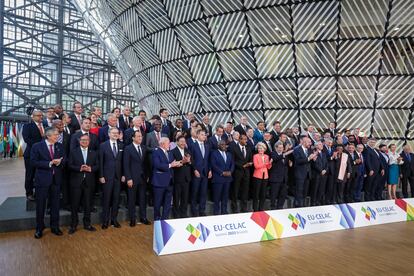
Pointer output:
x,y
145,221
38,234
132,223
57,231
116,224
94,210
105,226
72,230
89,228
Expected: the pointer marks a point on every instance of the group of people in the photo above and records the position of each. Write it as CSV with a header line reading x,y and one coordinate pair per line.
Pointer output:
x,y
169,165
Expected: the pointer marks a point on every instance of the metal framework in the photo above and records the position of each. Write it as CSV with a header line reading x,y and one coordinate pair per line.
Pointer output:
x,y
48,55
297,61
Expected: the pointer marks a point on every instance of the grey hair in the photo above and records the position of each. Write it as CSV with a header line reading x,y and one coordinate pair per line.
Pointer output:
x,y
260,144
163,140
49,131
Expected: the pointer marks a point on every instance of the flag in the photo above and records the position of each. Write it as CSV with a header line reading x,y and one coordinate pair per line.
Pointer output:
x,y
1,138
22,143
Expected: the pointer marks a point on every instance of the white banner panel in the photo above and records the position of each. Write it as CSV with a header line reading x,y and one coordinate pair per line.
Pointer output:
x,y
189,234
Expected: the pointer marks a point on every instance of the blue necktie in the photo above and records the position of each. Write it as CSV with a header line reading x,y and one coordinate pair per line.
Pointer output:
x,y
114,149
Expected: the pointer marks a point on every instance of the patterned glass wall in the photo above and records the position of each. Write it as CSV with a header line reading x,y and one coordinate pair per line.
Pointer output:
x,y
349,61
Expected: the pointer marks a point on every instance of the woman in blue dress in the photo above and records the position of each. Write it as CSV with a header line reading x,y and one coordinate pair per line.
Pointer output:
x,y
395,161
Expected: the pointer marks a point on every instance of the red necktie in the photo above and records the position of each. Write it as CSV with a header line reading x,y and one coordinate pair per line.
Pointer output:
x,y
40,129
51,156
143,125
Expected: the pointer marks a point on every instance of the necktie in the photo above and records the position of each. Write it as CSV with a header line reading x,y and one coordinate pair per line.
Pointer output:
x,y
39,125
51,152
127,121
84,154
244,152
202,150
143,125
67,130
139,151
166,155
114,151
158,136
306,152
224,156
60,138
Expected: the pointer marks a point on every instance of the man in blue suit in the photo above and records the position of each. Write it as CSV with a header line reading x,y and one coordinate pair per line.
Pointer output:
x,y
200,151
216,138
360,173
110,158
222,167
32,133
47,157
103,134
374,169
162,175
302,167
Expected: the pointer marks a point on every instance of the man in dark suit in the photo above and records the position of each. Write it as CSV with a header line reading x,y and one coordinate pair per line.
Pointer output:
x,y
374,169
250,140
243,160
206,125
243,126
178,126
222,167
48,158
383,179
64,139
359,183
110,165
154,137
187,120
228,132
407,171
200,152
85,128
129,133
83,164
352,181
267,140
192,139
125,119
50,116
278,176
76,116
111,120
276,132
32,133
319,176
331,186
182,178
162,179
146,126
332,129
216,138
302,168
166,124
134,170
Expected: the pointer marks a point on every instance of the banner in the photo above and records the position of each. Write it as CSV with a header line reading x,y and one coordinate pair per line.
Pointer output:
x,y
190,234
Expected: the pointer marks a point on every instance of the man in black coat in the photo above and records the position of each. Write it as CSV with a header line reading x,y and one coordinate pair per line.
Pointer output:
x,y
329,151
83,164
135,158
85,128
243,162
125,119
110,175
407,171
243,126
351,184
319,176
182,178
278,176
76,117
374,169
33,133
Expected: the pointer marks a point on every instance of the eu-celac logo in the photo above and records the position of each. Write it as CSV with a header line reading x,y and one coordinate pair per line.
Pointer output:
x,y
369,213
297,220
200,232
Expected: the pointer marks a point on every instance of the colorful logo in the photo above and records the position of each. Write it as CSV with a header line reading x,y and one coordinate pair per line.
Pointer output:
x,y
406,207
297,220
347,215
200,232
272,228
369,213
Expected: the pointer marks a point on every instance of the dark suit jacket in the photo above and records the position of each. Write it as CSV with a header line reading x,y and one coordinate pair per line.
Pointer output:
x,y
372,161
239,159
190,143
320,164
240,129
301,164
31,135
74,123
279,170
66,143
109,165
275,136
134,163
76,161
122,124
181,174
202,165
40,159
161,173
151,140
218,166
355,166
166,128
147,127
103,134
407,168
128,133
93,141
213,142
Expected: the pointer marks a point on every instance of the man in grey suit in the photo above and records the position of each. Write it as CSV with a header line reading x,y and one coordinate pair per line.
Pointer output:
x,y
154,136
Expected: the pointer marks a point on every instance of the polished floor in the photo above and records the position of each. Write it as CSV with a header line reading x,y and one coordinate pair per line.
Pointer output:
x,y
377,250
380,250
